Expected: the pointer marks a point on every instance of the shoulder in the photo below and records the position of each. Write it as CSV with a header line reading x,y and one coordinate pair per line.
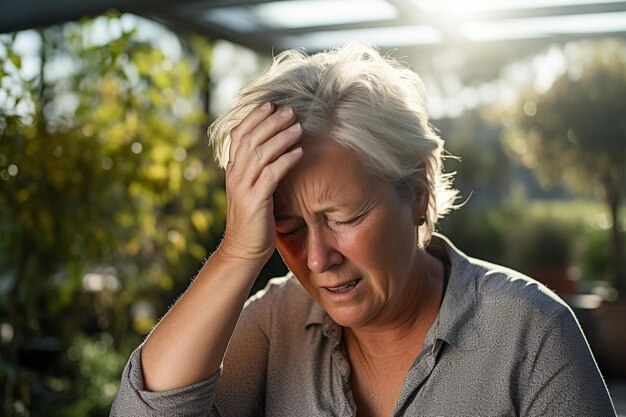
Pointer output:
x,y
485,301
505,326
503,289
285,289
283,302
500,287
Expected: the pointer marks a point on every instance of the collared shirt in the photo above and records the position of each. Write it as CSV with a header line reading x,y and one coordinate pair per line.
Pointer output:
x,y
502,345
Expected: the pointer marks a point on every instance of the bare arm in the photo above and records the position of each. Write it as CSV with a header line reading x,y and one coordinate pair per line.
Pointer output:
x,y
189,343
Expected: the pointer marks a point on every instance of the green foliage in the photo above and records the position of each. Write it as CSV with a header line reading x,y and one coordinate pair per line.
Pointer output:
x,y
575,133
481,166
480,231
593,257
108,202
541,241
525,234
96,381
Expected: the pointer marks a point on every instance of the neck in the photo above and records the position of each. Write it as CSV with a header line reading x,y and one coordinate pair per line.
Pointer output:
x,y
409,320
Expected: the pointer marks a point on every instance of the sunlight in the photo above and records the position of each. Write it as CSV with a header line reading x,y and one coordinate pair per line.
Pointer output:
x,y
472,7
381,37
538,27
301,14
309,13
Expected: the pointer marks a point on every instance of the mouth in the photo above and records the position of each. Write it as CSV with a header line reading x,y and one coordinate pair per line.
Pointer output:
x,y
343,287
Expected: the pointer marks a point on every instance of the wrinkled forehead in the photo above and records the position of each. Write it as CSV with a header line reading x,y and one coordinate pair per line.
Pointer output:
x,y
328,173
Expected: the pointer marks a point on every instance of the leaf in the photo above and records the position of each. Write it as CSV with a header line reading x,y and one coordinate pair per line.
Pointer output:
x,y
15,59
200,221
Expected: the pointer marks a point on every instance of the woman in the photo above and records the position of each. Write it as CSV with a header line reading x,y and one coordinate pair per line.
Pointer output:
x,y
330,159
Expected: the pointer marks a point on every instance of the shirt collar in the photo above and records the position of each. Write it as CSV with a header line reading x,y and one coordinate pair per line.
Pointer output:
x,y
317,316
459,318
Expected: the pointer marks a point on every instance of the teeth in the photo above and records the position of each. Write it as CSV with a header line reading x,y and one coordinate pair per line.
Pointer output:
x,y
343,288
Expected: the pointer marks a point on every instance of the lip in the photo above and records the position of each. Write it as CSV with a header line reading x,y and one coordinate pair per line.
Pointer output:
x,y
342,296
342,283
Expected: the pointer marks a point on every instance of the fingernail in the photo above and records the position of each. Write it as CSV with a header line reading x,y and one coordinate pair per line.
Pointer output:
x,y
286,112
294,127
297,151
266,106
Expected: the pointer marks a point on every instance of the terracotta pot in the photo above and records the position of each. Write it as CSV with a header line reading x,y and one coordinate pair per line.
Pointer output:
x,y
556,278
610,327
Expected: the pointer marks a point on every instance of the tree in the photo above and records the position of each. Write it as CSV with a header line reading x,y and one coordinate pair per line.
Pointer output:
x,y
575,133
108,201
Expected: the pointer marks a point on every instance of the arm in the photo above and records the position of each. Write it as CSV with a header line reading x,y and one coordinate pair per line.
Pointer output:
x,y
189,343
563,378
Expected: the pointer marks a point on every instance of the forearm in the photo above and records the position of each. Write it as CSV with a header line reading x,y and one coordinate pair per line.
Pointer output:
x,y
189,343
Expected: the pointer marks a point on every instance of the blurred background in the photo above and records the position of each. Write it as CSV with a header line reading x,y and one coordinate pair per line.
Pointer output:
x,y
110,198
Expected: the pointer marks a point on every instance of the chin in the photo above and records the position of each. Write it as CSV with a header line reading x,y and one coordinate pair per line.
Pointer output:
x,y
354,317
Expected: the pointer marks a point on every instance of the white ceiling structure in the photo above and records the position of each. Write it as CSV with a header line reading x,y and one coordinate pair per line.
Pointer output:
x,y
463,49
271,26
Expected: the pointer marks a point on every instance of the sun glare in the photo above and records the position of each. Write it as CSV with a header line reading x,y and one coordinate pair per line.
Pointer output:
x,y
475,7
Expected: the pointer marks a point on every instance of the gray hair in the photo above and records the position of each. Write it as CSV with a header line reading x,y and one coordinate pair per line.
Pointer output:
x,y
364,101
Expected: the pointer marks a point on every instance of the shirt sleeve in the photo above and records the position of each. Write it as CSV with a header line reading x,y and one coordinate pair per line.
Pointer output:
x,y
237,389
242,385
133,400
562,376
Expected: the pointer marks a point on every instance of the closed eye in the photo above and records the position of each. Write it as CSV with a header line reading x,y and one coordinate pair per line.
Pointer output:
x,y
289,231
347,222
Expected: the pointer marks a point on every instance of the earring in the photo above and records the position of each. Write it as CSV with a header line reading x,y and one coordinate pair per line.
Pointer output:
x,y
421,220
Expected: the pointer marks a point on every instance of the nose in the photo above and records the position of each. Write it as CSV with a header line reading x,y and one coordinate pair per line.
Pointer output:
x,y
322,254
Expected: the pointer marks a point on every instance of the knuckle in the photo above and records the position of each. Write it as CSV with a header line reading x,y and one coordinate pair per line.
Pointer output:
x,y
235,132
257,155
246,139
268,174
276,124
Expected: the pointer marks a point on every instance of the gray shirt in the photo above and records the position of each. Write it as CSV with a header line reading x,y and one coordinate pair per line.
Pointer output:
x,y
502,345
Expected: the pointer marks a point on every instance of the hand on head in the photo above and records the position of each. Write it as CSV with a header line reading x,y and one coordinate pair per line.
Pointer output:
x,y
259,158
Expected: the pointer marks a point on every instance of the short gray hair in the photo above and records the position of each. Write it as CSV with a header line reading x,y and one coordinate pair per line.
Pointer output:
x,y
364,101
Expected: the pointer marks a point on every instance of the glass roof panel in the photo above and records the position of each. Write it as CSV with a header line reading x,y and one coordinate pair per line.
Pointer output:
x,y
382,37
544,26
478,6
309,13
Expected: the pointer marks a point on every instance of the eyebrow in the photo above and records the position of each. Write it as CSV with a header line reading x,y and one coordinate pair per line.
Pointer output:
x,y
283,217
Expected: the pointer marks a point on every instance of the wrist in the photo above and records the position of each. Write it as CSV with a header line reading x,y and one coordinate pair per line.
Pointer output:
x,y
240,251
229,254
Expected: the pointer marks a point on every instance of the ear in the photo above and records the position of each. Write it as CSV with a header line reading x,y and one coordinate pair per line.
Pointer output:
x,y
420,208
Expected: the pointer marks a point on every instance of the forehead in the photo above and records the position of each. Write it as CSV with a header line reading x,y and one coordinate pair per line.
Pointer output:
x,y
327,175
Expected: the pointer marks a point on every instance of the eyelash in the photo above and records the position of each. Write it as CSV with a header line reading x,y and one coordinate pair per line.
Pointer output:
x,y
291,232
347,222
336,222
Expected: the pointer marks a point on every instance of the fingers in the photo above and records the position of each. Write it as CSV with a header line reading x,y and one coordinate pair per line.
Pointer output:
x,y
247,124
264,147
259,126
266,153
260,139
273,173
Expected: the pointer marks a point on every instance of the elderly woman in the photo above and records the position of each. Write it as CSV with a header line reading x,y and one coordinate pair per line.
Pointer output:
x,y
330,159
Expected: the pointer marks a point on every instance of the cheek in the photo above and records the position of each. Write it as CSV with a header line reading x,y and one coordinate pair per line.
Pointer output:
x,y
291,249
382,246
357,245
